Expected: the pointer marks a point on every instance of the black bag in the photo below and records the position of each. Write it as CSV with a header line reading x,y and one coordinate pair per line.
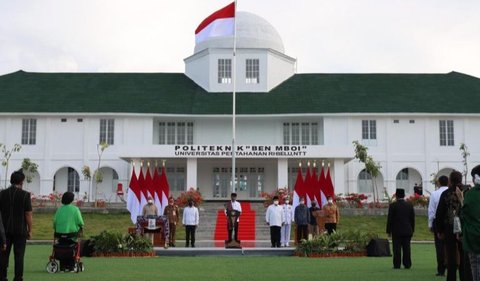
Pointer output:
x,y
86,248
378,248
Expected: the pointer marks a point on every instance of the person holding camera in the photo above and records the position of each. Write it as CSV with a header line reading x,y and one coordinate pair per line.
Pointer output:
x,y
16,210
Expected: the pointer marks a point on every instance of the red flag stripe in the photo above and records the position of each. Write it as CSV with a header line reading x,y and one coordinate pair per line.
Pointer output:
x,y
226,12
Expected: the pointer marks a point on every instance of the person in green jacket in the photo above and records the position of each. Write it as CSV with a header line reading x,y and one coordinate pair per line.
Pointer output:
x,y
68,220
471,224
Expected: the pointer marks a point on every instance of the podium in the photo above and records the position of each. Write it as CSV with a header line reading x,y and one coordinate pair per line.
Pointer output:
x,y
158,226
232,217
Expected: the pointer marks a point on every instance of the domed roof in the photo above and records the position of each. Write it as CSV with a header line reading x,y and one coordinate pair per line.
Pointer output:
x,y
252,32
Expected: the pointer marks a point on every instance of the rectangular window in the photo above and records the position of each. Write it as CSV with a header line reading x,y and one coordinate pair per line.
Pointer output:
x,y
252,72
181,133
447,137
175,133
304,133
286,133
224,71
176,178
190,133
29,131
295,134
171,133
314,133
161,133
369,129
107,131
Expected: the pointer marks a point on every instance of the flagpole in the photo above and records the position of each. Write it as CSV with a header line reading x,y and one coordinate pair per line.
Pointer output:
x,y
234,64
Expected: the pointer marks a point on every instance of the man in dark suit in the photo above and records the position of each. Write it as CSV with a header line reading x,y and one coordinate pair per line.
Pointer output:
x,y
400,226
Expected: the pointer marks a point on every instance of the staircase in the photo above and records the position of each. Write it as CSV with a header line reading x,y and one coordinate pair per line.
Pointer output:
x,y
252,222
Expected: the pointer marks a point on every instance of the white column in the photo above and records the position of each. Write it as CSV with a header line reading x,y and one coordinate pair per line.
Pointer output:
x,y
191,173
339,182
282,173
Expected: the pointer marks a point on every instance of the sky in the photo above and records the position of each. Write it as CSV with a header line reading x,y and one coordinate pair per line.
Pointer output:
x,y
341,36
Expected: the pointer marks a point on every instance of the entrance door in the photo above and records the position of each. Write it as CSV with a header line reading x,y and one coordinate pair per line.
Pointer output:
x,y
249,182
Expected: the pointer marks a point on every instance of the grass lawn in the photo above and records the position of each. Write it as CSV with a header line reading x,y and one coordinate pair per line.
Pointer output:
x,y
96,223
236,268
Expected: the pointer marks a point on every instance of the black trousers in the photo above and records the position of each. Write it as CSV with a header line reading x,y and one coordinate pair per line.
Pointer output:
x,y
275,235
401,244
440,251
456,259
19,243
235,232
330,227
190,235
302,232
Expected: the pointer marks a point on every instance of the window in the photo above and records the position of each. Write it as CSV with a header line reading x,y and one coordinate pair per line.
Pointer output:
x,y
224,71
176,178
446,133
175,133
412,121
29,131
80,120
396,121
252,73
304,133
63,120
369,129
369,132
73,180
249,180
107,130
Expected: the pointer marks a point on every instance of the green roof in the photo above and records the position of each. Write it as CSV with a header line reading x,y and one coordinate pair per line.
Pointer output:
x,y
175,93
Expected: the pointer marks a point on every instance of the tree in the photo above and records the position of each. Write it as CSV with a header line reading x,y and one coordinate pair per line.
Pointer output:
x,y
7,154
371,167
97,176
29,169
465,153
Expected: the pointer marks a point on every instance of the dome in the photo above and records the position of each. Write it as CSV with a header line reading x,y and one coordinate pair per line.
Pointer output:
x,y
252,32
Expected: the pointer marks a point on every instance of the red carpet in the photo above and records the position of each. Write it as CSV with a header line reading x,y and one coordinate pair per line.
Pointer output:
x,y
246,228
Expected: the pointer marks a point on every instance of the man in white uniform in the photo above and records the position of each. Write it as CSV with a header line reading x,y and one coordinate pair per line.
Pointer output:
x,y
275,220
287,226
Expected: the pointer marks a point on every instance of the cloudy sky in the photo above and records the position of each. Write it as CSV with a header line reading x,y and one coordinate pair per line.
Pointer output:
x,y
355,36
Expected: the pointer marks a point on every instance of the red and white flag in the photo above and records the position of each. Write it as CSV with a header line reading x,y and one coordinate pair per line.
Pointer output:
x,y
220,23
321,198
165,189
329,189
298,191
133,197
307,186
158,191
143,191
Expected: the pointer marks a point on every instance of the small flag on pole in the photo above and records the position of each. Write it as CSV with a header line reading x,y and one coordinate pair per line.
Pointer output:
x,y
220,23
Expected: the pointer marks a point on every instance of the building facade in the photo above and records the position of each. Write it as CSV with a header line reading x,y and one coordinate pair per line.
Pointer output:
x,y
413,124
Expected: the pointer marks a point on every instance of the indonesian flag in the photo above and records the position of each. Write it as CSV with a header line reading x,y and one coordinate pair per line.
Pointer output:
x,y
133,198
313,187
298,191
158,191
149,183
329,190
143,193
307,185
220,23
320,195
165,189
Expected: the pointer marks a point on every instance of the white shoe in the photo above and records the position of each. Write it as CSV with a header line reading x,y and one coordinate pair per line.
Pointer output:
x,y
287,245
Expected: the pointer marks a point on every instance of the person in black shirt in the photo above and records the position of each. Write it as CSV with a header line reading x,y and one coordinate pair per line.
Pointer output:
x,y
16,210
313,220
400,226
3,240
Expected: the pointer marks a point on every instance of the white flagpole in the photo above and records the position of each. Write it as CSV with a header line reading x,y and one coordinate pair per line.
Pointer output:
x,y
234,65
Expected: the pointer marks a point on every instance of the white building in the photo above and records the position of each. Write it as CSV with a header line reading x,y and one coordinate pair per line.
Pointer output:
x,y
413,124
